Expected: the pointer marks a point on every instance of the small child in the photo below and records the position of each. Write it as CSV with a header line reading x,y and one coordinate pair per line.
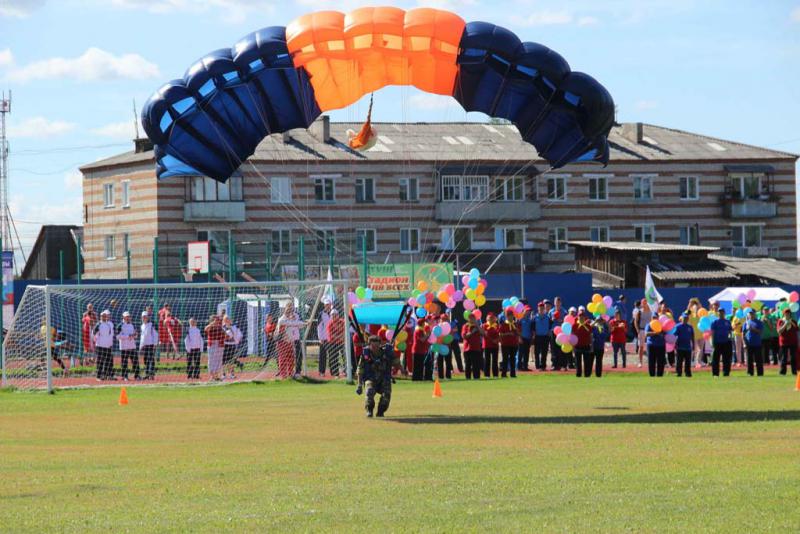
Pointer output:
x,y
194,346
708,349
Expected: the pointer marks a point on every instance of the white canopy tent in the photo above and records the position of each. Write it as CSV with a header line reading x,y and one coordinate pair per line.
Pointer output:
x,y
768,295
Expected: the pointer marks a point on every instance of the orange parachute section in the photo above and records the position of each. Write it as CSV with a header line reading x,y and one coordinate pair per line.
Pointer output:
x,y
349,55
367,137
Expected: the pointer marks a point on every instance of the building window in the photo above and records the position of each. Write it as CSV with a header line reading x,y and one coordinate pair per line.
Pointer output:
x,y
457,238
368,236
690,235
322,239
512,237
746,185
409,190
108,247
217,240
281,241
108,195
599,233
324,189
126,193
409,240
557,239
365,190
746,235
535,188
280,188
126,244
689,188
465,188
643,187
556,188
644,233
205,189
598,188
511,189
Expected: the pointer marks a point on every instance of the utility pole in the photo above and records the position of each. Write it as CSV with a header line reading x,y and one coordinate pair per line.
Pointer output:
x,y
5,226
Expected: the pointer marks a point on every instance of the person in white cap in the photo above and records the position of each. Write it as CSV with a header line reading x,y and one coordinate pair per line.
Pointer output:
x,y
147,346
126,336
104,345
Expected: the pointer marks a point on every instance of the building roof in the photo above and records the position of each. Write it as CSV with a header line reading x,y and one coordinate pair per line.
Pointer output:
x,y
57,232
782,272
694,275
474,141
636,246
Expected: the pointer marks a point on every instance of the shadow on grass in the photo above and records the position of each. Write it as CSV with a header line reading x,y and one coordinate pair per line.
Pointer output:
x,y
738,416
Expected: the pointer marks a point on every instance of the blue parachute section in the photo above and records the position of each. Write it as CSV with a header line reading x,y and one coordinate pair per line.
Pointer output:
x,y
212,120
566,115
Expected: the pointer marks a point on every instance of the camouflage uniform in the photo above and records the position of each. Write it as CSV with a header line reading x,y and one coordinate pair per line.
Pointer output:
x,y
375,373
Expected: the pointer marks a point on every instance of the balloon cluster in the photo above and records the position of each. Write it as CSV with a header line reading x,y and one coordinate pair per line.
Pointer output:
x,y
423,300
400,341
666,325
600,306
793,304
744,302
513,306
440,338
564,336
473,288
360,295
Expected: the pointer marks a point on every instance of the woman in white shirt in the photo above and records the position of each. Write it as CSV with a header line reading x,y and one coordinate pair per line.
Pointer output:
x,y
194,346
287,333
147,346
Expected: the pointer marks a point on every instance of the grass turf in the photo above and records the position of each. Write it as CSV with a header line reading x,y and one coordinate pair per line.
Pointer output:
x,y
539,453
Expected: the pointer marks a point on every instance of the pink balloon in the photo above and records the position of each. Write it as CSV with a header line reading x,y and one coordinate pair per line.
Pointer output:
x,y
794,296
450,289
478,314
663,320
606,317
483,282
608,301
670,347
412,302
445,328
465,280
451,304
431,339
742,298
569,319
557,330
352,298
751,294
562,339
469,305
573,340
670,338
458,296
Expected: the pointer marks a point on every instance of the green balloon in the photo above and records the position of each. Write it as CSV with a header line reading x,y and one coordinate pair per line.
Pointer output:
x,y
361,292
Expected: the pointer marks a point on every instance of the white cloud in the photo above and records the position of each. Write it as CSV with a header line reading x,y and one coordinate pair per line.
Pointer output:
x,y
431,101
39,128
63,210
546,18
231,11
645,105
93,65
19,8
6,58
73,180
587,21
795,14
116,130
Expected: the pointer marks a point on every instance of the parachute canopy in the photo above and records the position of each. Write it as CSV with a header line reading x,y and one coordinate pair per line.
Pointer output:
x,y
277,79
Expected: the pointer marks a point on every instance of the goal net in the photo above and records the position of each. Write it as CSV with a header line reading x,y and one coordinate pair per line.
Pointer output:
x,y
103,334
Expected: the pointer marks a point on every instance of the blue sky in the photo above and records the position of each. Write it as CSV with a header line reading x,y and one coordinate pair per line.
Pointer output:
x,y
721,68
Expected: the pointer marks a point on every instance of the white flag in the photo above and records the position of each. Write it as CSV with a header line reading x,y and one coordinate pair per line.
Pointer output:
x,y
329,295
651,294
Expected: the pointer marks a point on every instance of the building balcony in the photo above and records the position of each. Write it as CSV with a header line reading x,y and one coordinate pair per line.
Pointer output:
x,y
765,207
751,252
229,212
493,212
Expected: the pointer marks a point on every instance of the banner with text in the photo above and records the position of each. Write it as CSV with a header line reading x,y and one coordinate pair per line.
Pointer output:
x,y
8,287
398,280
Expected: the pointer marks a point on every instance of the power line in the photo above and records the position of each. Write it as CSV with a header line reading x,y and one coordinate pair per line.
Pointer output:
x,y
36,152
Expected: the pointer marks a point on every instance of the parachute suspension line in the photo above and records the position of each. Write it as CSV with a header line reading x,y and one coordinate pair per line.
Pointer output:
x,y
367,136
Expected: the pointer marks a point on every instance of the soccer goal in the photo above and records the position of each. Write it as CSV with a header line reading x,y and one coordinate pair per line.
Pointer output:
x,y
62,335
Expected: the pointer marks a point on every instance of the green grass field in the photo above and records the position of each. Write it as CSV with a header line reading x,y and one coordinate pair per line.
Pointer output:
x,y
539,453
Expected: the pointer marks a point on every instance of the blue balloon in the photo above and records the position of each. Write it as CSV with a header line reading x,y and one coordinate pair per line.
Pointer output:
x,y
704,323
368,294
437,331
566,328
444,349
474,273
506,303
473,283
421,312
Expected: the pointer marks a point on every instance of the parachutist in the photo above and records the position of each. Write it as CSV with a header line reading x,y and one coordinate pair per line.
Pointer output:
x,y
375,375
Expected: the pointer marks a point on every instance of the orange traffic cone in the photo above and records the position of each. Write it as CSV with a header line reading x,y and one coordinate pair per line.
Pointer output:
x,y
123,397
437,389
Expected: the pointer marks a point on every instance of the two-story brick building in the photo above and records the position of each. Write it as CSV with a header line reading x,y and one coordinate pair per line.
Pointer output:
x,y
429,191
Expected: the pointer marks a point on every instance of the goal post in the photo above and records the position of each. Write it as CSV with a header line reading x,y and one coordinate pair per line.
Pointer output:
x,y
61,335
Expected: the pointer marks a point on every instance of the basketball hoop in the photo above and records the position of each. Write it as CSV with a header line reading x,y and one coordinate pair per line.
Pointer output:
x,y
188,274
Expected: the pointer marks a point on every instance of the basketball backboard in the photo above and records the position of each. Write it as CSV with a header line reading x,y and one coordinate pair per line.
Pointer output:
x,y
197,258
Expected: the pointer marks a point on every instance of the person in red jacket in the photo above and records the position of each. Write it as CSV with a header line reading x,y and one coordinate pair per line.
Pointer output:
x,y
472,334
619,336
787,339
423,363
335,331
509,343
582,329
491,343
408,354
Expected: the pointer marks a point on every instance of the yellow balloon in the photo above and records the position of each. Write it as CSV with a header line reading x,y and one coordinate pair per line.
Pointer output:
x,y
480,300
470,294
566,348
422,285
402,336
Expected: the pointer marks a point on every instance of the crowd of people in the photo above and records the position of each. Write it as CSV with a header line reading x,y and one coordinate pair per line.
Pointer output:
x,y
496,345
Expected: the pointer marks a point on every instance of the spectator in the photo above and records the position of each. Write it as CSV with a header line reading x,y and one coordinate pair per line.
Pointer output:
x,y
126,337
692,309
88,322
322,335
421,352
194,347
334,335
619,337
656,348
525,337
444,362
737,325
721,337
769,336
557,314
455,345
230,360
169,332
215,341
637,308
684,343
473,346
542,327
752,339
787,339
55,354
288,336
148,339
491,343
620,307
104,346
641,318
600,334
582,329
508,333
